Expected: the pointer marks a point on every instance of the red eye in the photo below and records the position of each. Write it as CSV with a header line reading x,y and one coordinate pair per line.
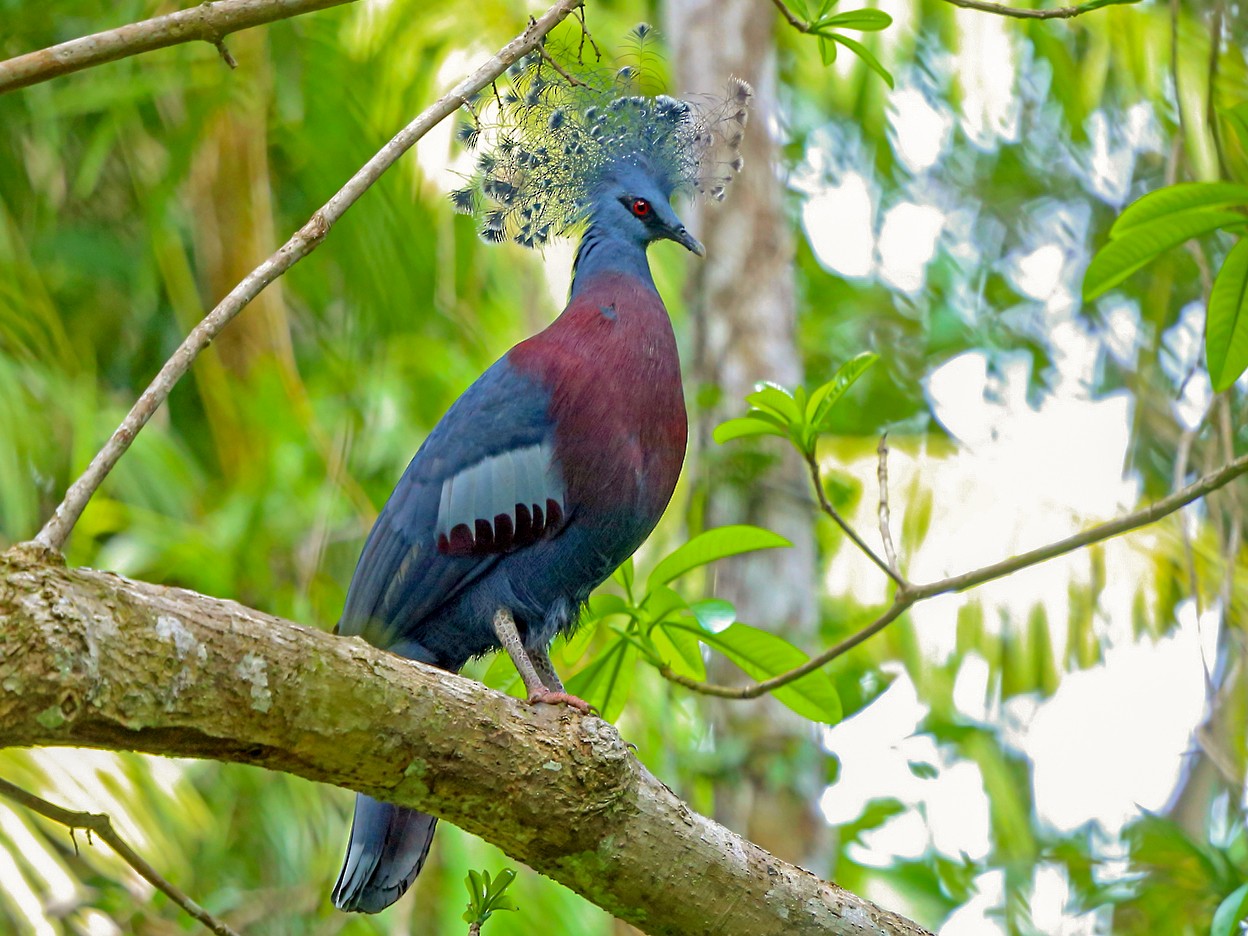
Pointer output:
x,y
641,207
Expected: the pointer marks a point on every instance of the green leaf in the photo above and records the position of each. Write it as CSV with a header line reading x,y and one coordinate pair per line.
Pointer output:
x,y
624,576
602,605
865,54
606,682
1226,324
680,651
1120,258
764,655
742,427
476,890
714,614
923,770
709,546
496,899
1230,913
827,51
1178,199
662,602
1097,4
864,20
1237,117
826,396
770,396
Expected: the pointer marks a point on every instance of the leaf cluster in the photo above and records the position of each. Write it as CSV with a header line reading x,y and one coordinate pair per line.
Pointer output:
x,y
796,415
824,24
486,896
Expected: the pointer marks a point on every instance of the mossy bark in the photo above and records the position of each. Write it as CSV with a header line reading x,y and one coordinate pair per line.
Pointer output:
x,y
92,659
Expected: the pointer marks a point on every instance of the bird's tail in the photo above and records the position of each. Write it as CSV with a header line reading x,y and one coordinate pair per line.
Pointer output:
x,y
387,850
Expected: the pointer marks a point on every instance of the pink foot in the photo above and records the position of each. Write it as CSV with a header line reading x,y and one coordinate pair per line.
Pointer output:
x,y
562,698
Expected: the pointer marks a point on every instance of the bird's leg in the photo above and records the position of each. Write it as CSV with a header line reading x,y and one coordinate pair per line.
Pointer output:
x,y
534,687
546,669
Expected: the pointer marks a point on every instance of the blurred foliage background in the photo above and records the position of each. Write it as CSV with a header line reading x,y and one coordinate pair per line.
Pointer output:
x,y
133,196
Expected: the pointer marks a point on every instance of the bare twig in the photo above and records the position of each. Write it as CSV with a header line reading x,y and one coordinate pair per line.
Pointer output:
x,y
225,54
101,825
546,57
302,243
586,34
885,533
826,506
908,595
207,22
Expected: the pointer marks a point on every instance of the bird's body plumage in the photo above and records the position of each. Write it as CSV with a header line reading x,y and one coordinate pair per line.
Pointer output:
x,y
556,464
597,396
585,424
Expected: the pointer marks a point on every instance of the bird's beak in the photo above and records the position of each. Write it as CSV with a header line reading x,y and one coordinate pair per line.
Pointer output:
x,y
688,241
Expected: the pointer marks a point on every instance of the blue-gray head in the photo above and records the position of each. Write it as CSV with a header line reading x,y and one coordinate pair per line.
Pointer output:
x,y
563,153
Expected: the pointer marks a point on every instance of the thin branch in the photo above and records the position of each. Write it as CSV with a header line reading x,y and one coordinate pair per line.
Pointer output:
x,y
826,506
1019,13
101,825
794,20
908,595
302,243
983,6
206,22
885,533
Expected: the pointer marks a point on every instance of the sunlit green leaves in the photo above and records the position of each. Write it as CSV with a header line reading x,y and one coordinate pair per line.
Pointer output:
x,y
486,896
709,546
764,655
660,626
1226,324
1143,242
1166,218
795,415
822,23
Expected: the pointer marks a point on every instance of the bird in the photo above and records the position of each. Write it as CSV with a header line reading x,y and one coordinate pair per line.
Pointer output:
x,y
558,461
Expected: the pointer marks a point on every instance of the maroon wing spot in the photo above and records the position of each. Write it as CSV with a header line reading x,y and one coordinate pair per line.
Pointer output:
x,y
460,542
554,513
504,531
539,522
524,526
485,537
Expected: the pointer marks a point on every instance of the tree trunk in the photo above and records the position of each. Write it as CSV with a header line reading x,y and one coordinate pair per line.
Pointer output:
x,y
745,324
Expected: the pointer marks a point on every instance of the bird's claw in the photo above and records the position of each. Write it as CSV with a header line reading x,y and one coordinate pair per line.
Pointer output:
x,y
562,698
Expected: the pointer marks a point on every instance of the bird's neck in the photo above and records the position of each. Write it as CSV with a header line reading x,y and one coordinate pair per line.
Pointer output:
x,y
602,251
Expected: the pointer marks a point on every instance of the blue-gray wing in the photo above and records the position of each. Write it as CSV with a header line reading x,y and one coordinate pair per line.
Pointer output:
x,y
485,483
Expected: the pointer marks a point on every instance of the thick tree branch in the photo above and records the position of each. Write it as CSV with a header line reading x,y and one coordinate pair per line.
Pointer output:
x,y
207,22
88,658
908,595
99,824
302,243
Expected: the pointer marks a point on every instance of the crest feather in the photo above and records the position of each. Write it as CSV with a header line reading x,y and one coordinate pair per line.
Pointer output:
x,y
553,135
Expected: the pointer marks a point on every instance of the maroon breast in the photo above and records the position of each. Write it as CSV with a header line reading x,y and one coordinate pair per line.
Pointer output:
x,y
611,363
